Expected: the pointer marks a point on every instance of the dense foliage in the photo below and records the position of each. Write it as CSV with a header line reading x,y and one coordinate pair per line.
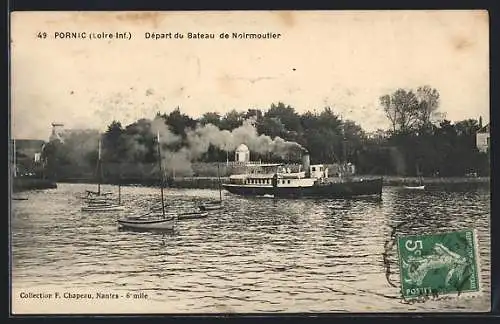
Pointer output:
x,y
419,141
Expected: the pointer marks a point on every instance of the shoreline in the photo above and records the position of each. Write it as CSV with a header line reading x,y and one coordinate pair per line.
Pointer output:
x,y
20,184
213,183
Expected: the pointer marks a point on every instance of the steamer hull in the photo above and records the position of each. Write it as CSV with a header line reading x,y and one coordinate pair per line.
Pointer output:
x,y
327,190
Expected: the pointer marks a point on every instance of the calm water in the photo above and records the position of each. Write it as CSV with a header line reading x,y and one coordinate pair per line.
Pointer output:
x,y
260,255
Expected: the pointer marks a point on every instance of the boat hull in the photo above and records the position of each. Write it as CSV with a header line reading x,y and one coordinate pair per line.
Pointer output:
x,y
102,208
414,188
147,224
328,190
211,206
192,215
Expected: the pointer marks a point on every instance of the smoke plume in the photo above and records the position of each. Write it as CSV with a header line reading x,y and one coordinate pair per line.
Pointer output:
x,y
200,139
203,136
398,160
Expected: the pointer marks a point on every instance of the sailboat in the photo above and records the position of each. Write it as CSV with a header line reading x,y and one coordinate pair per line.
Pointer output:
x,y
97,201
420,186
215,204
153,220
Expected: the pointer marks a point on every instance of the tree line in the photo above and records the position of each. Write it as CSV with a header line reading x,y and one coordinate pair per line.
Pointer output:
x,y
420,142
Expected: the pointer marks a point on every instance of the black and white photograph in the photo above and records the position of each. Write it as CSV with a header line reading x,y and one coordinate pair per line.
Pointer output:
x,y
205,162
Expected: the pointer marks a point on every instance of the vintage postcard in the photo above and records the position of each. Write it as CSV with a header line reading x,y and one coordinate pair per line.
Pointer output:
x,y
249,162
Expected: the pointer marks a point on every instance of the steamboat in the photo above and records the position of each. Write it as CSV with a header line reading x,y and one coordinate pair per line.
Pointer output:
x,y
276,180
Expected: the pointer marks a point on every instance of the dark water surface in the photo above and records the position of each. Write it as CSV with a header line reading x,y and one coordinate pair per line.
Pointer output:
x,y
258,255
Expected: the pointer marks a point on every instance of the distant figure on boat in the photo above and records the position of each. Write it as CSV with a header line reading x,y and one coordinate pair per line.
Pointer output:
x,y
275,180
343,170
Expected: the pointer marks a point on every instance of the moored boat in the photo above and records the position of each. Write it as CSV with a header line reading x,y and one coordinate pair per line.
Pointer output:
x,y
152,222
273,179
415,187
94,195
102,206
98,201
211,205
192,215
98,204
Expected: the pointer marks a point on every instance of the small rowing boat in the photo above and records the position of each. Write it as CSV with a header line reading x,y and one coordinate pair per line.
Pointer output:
x,y
211,205
151,222
192,215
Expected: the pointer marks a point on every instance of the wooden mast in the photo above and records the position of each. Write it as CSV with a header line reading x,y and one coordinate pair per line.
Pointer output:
x,y
119,183
120,187
218,179
161,176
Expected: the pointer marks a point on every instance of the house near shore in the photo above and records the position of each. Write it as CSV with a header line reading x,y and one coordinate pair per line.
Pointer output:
x,y
30,149
26,154
483,139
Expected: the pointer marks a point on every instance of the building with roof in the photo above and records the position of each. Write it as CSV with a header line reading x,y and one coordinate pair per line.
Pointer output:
x,y
483,139
27,154
28,148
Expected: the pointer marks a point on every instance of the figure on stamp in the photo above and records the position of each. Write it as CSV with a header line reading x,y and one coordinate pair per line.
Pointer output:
x,y
418,267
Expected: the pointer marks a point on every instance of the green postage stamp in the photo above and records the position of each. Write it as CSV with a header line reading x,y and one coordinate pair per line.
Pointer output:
x,y
438,264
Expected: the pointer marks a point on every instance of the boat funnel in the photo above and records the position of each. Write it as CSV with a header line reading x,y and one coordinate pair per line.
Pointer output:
x,y
306,163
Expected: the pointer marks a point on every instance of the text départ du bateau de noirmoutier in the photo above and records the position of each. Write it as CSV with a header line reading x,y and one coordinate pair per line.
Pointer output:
x,y
170,35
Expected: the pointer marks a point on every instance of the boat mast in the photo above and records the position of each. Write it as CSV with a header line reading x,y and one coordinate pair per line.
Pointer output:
x,y
120,187
99,168
343,163
161,176
119,184
218,179
344,145
119,194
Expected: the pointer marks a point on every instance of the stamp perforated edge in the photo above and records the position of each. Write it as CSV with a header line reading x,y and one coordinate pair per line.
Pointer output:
x,y
454,295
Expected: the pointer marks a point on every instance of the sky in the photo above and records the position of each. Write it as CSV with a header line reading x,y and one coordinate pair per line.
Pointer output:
x,y
345,60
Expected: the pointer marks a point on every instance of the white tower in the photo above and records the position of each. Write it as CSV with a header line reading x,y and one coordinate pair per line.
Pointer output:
x,y
242,153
